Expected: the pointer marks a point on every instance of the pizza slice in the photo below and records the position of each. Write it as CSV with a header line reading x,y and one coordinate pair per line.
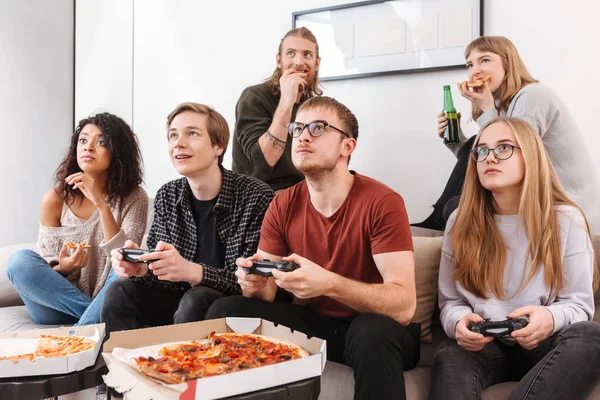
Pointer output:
x,y
73,245
165,369
49,346
478,82
61,346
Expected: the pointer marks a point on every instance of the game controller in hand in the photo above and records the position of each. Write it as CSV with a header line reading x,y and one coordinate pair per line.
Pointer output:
x,y
133,255
498,328
264,267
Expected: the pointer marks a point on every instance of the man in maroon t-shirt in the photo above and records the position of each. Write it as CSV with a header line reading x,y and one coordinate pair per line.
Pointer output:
x,y
349,235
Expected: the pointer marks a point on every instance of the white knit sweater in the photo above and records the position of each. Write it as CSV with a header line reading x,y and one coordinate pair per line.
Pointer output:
x,y
131,215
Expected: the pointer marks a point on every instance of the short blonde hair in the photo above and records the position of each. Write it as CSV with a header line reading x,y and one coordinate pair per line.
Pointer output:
x,y
217,127
346,116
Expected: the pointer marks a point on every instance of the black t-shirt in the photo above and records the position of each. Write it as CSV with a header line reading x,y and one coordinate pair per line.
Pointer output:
x,y
210,249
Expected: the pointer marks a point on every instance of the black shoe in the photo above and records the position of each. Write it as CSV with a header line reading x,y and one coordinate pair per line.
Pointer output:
x,y
435,221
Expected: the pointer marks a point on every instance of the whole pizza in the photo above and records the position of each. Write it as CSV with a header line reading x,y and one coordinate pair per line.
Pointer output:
x,y
221,353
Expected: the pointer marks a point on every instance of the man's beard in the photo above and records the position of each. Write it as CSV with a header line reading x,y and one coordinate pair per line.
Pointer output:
x,y
316,170
311,80
311,83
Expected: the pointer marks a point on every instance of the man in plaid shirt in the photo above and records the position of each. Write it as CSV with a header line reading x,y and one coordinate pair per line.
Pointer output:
x,y
202,223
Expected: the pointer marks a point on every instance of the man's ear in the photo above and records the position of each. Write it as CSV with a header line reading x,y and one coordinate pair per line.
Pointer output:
x,y
348,147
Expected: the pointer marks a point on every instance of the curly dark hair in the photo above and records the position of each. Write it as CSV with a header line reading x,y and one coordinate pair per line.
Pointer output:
x,y
125,169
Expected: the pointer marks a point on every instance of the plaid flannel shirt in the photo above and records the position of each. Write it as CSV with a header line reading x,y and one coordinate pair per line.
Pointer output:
x,y
239,212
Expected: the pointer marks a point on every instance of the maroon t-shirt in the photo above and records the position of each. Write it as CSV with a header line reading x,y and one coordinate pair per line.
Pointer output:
x,y
372,220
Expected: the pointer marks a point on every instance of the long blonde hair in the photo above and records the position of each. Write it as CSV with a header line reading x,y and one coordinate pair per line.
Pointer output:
x,y
517,75
479,248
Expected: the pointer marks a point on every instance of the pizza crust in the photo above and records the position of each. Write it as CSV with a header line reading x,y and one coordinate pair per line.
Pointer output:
x,y
163,377
16,359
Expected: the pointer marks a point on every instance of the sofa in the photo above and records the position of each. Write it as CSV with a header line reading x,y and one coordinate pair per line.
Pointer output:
x,y
337,382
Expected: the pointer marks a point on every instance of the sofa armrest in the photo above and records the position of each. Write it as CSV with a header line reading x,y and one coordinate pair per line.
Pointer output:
x,y
8,294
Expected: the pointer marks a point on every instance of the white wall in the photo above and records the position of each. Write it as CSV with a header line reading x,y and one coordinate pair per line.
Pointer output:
x,y
210,51
36,107
104,62
557,41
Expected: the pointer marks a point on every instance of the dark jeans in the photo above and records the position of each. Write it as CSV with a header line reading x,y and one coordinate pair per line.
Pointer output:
x,y
448,201
130,305
564,366
457,177
378,348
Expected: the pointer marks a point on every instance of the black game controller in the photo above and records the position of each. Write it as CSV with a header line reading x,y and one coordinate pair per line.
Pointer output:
x,y
133,255
498,328
264,267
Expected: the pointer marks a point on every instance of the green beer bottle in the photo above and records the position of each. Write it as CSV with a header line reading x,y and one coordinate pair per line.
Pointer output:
x,y
451,132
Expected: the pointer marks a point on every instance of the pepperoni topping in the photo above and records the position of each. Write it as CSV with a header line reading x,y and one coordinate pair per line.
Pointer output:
x,y
225,353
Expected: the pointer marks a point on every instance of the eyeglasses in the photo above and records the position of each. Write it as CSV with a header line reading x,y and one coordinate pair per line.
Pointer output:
x,y
501,152
315,128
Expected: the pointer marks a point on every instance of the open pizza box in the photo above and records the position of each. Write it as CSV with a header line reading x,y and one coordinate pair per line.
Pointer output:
x,y
15,343
134,385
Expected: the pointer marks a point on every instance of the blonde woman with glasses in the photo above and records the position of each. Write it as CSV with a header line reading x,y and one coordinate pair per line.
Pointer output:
x,y
517,248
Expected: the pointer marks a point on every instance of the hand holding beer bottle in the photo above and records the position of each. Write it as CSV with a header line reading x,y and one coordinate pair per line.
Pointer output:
x,y
449,120
443,122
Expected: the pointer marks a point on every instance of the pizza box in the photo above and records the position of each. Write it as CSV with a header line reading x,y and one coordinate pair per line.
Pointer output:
x,y
13,343
134,385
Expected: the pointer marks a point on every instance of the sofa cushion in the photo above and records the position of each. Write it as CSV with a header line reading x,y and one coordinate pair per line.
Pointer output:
x,y
337,383
18,319
417,231
427,265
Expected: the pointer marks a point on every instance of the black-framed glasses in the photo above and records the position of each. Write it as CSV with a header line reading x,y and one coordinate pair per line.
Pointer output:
x,y
315,128
501,152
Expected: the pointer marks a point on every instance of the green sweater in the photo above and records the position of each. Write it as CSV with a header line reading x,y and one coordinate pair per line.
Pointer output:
x,y
254,113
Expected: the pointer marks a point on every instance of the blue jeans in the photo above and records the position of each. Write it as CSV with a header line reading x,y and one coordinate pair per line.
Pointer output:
x,y
50,298
564,366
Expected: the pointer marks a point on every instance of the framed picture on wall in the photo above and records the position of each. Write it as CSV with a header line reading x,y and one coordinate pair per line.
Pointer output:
x,y
374,38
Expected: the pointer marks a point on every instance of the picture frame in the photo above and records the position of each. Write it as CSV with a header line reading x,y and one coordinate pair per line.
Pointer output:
x,y
376,38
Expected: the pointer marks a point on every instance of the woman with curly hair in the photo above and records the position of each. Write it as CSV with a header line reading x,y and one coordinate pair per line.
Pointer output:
x,y
96,205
